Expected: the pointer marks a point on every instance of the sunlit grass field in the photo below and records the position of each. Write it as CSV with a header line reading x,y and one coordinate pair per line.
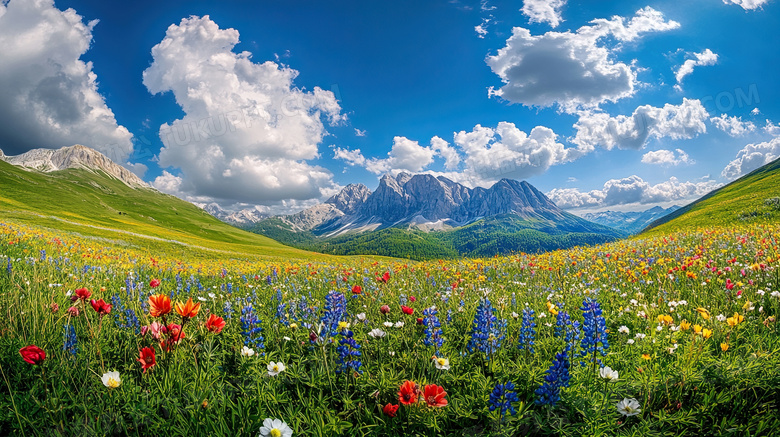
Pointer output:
x,y
687,320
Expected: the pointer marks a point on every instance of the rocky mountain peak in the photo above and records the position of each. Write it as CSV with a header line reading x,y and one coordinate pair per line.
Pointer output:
x,y
350,198
75,157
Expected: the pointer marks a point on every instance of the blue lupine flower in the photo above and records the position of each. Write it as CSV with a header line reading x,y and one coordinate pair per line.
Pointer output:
x,y
70,342
432,329
556,378
487,331
527,332
8,267
347,349
228,309
250,328
595,331
334,313
501,398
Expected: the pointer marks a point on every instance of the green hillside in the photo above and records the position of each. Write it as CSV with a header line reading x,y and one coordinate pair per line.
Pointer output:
x,y
753,198
486,237
96,205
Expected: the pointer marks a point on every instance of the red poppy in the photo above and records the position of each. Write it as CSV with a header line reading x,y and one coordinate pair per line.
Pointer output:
x,y
154,283
146,358
408,393
81,293
384,278
100,307
390,409
159,305
32,354
215,324
384,309
407,310
357,289
434,396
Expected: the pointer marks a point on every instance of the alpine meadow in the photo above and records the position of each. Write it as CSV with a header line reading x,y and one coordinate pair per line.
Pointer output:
x,y
447,218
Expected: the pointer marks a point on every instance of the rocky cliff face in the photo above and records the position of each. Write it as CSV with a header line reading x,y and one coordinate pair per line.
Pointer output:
x,y
350,198
78,156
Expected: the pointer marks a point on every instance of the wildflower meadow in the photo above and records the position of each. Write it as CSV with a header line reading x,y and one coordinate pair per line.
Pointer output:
x,y
670,334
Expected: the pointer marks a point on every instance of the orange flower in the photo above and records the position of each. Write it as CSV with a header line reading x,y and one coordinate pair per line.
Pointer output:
x,y
159,305
646,356
724,347
215,324
408,393
188,310
434,396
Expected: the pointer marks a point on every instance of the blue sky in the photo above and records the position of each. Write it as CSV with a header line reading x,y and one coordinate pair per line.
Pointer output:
x,y
655,102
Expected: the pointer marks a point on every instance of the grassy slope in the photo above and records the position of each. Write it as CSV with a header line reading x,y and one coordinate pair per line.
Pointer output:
x,y
81,201
486,237
738,202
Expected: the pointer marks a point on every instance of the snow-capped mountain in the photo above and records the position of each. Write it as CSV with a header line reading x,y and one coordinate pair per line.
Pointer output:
x,y
630,222
243,217
78,157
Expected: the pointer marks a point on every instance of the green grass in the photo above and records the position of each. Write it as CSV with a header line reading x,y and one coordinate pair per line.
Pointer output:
x,y
742,201
93,204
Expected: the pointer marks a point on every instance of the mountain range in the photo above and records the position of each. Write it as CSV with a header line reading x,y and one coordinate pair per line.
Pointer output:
x,y
444,217
73,157
631,222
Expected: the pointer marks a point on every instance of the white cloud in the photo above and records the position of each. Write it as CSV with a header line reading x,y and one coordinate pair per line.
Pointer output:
x,y
752,157
248,131
747,4
48,96
755,111
544,11
733,125
666,157
631,190
705,58
137,168
443,149
672,121
572,69
482,29
771,128
360,133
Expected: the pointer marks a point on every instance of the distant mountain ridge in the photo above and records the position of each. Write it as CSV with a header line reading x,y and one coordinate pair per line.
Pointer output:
x,y
76,157
631,222
436,211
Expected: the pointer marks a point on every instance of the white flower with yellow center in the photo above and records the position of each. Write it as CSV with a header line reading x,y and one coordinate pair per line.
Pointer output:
x,y
247,351
275,368
607,373
275,428
111,379
628,407
442,363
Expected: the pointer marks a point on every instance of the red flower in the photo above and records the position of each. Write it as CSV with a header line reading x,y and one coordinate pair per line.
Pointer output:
x,y
175,333
100,307
390,409
434,396
146,358
357,289
32,354
412,299
420,320
81,293
407,310
408,393
384,278
384,309
154,283
215,324
73,311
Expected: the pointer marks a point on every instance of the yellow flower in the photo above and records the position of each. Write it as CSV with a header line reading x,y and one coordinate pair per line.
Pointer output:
x,y
706,333
724,347
666,319
697,329
704,313
343,325
646,356
552,308
685,325
293,325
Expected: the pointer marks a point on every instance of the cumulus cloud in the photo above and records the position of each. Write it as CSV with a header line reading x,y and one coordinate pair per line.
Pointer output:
x,y
48,96
705,58
572,69
443,149
631,190
405,155
248,131
733,125
633,132
752,157
544,11
666,157
747,5
771,128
